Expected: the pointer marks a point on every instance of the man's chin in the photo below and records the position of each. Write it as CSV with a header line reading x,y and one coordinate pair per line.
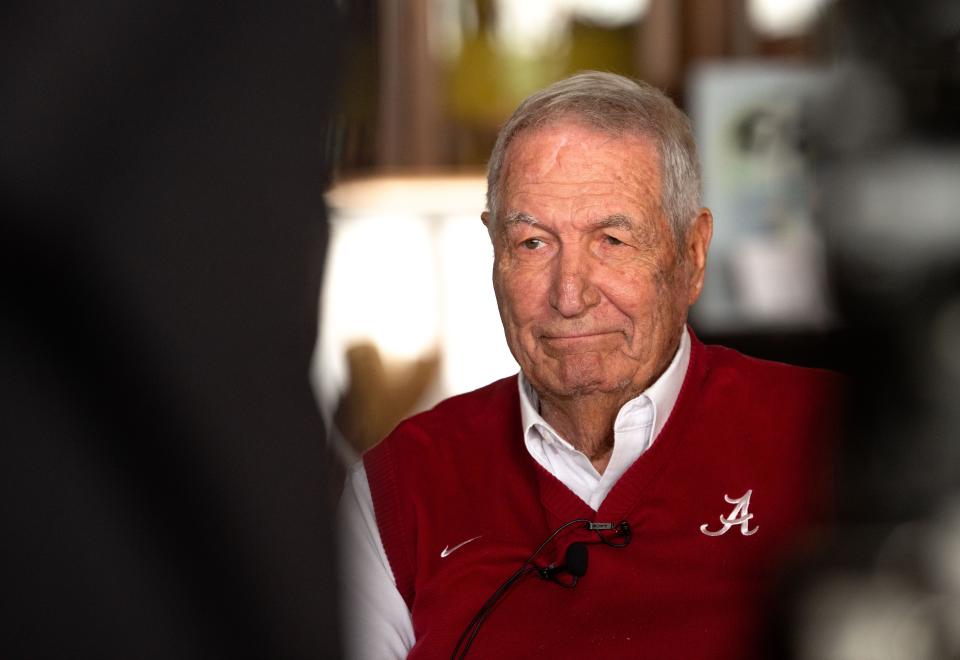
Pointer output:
x,y
573,380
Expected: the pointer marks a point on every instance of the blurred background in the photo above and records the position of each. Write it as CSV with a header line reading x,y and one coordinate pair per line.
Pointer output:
x,y
829,133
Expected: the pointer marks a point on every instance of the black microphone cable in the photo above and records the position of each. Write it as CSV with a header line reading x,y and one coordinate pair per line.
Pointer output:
x,y
575,564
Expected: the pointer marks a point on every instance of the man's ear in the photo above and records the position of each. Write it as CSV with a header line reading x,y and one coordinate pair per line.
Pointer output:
x,y
696,244
487,219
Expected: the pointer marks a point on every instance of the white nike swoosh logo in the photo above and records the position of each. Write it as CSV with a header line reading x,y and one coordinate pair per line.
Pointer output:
x,y
446,552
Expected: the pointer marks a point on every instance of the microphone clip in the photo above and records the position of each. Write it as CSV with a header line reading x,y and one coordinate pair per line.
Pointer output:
x,y
600,527
621,530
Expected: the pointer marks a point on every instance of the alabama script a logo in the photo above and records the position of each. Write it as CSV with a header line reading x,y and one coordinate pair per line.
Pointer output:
x,y
739,516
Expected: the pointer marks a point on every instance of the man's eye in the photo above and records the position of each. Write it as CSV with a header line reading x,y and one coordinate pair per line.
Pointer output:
x,y
612,240
532,243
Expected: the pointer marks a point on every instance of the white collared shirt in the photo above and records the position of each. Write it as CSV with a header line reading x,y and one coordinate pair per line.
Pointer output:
x,y
376,621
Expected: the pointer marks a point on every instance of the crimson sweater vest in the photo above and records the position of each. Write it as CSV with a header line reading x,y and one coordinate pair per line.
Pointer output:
x,y
461,471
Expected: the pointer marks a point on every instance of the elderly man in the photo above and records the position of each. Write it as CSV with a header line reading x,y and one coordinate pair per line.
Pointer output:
x,y
661,481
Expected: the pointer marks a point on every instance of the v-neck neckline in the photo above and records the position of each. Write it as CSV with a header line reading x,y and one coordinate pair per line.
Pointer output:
x,y
563,504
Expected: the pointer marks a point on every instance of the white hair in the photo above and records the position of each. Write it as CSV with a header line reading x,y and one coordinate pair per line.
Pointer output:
x,y
615,105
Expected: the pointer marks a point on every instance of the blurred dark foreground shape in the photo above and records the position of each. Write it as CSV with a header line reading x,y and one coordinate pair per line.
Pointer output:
x,y
886,583
162,169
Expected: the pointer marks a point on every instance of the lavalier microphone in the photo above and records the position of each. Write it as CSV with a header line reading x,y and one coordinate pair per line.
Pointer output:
x,y
618,535
574,564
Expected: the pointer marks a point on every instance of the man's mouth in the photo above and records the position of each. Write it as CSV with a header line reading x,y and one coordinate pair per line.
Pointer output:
x,y
576,338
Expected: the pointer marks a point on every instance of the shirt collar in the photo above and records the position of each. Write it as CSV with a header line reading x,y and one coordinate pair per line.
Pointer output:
x,y
662,395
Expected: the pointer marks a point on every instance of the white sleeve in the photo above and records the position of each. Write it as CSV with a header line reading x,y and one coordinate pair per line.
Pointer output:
x,y
376,621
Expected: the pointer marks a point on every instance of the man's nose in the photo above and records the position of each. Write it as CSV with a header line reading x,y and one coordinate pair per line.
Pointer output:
x,y
572,292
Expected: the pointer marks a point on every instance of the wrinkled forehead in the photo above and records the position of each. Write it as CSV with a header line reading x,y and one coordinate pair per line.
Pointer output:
x,y
573,156
577,125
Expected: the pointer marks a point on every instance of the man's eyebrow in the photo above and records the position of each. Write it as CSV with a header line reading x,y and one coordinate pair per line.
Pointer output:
x,y
617,220
519,217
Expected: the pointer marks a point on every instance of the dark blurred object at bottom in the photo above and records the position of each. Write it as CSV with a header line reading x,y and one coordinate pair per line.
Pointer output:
x,y
161,464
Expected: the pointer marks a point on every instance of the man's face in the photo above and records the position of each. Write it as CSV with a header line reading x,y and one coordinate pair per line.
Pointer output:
x,y
592,292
